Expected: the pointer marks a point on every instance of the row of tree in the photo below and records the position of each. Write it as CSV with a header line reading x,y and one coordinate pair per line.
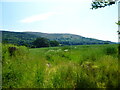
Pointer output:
x,y
44,42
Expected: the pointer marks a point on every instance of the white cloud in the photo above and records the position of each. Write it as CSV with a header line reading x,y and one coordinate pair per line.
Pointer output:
x,y
38,17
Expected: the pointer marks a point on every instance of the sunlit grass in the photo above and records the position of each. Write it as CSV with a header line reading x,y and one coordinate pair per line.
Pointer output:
x,y
85,66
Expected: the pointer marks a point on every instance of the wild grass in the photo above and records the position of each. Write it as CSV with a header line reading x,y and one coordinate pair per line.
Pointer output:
x,y
85,66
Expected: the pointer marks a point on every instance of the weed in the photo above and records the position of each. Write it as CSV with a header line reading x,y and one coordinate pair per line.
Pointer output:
x,y
85,66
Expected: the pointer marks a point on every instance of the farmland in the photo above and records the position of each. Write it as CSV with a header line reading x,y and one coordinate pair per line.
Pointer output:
x,y
80,66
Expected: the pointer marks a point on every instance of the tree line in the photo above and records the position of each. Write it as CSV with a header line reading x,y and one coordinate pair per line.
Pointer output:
x,y
44,42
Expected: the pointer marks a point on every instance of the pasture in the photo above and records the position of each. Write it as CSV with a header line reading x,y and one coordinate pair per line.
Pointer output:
x,y
82,66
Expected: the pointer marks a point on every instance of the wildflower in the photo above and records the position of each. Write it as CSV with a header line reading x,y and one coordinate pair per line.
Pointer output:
x,y
66,50
48,64
58,50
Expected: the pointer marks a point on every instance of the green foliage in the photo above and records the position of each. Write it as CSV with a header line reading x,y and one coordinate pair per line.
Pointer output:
x,y
118,23
54,43
110,50
41,42
11,65
26,38
102,3
85,66
44,42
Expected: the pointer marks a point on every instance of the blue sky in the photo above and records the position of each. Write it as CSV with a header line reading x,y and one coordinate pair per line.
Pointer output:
x,y
60,16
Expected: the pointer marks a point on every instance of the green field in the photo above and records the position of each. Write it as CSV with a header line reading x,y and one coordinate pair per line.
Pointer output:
x,y
83,66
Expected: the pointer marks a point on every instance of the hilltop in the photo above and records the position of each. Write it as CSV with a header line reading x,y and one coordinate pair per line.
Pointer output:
x,y
26,38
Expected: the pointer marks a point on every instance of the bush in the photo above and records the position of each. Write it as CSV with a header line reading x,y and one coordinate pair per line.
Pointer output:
x,y
41,42
54,43
12,61
110,50
63,67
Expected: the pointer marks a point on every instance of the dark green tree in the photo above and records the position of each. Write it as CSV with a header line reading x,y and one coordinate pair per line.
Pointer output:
x,y
41,42
54,43
5,41
102,3
118,23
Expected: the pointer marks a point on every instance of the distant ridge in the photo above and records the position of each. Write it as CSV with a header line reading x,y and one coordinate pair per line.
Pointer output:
x,y
26,38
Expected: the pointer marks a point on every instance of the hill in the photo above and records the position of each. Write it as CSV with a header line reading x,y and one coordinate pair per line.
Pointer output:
x,y
26,38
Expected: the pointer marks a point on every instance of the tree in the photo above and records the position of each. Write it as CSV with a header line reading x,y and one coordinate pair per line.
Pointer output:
x,y
118,23
102,3
41,42
54,43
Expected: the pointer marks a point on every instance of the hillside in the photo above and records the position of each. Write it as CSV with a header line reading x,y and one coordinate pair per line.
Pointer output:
x,y
26,38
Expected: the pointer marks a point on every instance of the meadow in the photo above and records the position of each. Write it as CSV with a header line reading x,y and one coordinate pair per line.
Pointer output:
x,y
82,66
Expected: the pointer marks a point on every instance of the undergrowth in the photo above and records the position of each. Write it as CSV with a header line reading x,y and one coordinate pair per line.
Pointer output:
x,y
85,66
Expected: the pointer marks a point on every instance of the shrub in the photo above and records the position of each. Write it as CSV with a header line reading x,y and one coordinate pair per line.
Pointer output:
x,y
84,67
12,50
110,50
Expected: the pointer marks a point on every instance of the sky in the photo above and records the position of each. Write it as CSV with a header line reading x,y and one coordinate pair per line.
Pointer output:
x,y
60,16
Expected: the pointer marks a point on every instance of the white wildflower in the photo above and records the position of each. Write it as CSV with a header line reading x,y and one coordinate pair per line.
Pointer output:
x,y
66,50
58,50
48,64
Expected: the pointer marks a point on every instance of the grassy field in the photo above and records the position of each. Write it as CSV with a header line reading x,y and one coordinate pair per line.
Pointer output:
x,y
85,66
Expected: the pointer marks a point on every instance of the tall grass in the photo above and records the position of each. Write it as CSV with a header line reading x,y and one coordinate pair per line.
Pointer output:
x,y
86,66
